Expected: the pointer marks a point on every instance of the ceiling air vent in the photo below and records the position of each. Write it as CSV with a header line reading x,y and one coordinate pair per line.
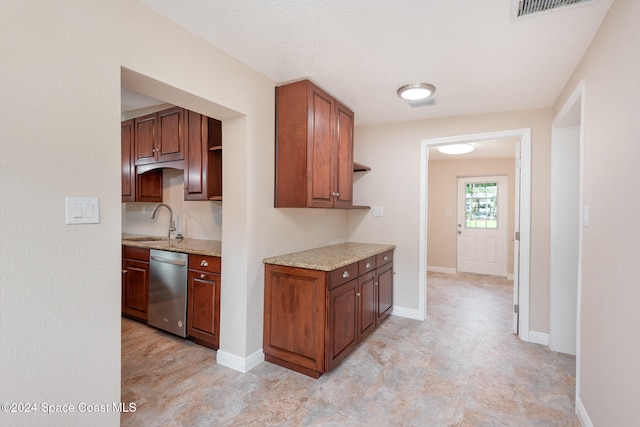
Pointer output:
x,y
528,7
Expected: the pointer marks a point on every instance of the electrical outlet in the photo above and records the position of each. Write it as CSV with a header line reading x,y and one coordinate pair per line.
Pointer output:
x,y
378,211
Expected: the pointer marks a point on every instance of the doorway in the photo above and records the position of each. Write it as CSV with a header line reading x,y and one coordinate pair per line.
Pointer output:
x,y
521,218
482,225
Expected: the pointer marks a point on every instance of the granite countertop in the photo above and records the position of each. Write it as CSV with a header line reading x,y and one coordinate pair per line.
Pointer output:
x,y
188,246
329,258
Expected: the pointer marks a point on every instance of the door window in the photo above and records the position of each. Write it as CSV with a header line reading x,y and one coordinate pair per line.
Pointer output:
x,y
482,205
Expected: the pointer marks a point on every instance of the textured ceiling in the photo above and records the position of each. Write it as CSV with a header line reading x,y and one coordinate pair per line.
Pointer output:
x,y
478,56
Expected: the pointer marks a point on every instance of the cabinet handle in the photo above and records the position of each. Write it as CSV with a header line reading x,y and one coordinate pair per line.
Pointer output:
x,y
375,283
386,258
204,263
368,265
345,274
358,294
125,271
202,276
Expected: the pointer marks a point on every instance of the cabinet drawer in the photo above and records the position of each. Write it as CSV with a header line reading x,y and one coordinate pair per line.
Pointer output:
x,y
204,263
132,252
384,258
343,275
366,265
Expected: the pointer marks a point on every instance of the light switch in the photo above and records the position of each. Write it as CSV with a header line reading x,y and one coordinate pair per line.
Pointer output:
x,y
76,210
82,210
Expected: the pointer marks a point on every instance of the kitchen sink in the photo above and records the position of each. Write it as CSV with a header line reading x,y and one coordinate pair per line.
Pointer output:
x,y
145,239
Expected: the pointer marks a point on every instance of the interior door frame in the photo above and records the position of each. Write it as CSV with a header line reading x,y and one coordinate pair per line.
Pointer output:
x,y
522,248
571,112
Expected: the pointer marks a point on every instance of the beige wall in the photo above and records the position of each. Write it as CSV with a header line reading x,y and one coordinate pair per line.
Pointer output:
x,y
393,153
609,343
60,82
443,189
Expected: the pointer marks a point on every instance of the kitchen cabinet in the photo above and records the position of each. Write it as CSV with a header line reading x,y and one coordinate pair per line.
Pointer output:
x,y
135,282
203,300
203,165
314,148
159,137
146,187
314,319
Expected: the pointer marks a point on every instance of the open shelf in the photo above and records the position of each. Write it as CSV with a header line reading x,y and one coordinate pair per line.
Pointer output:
x,y
359,167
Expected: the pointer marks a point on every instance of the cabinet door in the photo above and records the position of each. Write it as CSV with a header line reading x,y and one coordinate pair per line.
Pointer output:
x,y
128,166
385,291
367,300
343,322
343,164
294,318
145,139
195,165
203,163
320,155
204,308
170,139
136,289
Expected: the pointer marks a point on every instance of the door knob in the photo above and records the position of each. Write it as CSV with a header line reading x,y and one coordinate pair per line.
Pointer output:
x,y
459,232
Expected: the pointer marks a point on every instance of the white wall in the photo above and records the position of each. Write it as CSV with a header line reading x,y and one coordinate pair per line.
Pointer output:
x,y
60,110
608,368
393,153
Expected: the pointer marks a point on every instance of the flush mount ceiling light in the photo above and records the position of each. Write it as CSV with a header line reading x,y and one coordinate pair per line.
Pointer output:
x,y
456,149
416,91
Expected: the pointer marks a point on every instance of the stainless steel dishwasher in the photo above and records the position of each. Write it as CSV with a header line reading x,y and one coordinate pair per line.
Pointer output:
x,y
168,291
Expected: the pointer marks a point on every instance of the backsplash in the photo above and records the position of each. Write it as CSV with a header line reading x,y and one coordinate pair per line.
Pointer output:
x,y
197,220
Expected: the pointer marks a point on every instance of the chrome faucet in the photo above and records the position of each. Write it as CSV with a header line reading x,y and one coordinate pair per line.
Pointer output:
x,y
172,225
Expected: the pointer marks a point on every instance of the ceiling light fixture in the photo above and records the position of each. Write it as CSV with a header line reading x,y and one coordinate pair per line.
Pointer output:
x,y
416,91
456,149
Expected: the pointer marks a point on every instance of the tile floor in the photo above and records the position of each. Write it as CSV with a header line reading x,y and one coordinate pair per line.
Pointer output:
x,y
461,367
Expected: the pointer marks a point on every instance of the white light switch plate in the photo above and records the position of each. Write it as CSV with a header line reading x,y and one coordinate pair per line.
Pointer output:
x,y
82,210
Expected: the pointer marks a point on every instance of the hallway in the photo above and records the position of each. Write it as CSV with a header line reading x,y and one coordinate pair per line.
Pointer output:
x,y
460,367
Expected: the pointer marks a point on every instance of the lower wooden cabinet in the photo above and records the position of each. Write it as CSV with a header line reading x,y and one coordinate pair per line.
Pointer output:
x,y
314,319
135,282
203,300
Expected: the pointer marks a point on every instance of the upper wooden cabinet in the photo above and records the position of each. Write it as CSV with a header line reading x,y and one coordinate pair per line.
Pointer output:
x,y
314,148
203,165
146,187
159,137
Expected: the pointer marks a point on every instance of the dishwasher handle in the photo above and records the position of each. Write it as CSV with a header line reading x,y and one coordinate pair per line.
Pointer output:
x,y
169,261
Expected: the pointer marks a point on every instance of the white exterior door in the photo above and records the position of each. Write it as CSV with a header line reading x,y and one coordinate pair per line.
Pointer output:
x,y
482,225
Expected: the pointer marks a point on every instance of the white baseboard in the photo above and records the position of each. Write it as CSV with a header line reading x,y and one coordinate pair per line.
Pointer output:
x,y
583,417
237,363
538,338
447,270
409,313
